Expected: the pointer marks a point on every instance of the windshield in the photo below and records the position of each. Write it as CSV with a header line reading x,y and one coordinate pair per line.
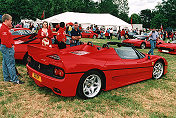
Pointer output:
x,y
21,32
129,53
141,37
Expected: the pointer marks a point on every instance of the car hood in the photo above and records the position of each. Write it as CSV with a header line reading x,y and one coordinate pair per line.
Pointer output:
x,y
168,45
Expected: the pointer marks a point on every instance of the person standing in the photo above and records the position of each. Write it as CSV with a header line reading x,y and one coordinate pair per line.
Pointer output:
x,y
61,37
118,34
153,37
122,34
7,49
111,33
45,34
75,35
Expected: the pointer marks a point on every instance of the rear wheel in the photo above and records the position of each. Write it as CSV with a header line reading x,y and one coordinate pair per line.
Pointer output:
x,y
143,46
158,70
89,85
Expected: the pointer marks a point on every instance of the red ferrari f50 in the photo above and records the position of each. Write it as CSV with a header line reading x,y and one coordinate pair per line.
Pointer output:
x,y
87,69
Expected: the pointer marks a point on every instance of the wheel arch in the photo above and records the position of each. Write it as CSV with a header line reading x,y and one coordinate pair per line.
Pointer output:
x,y
160,60
102,74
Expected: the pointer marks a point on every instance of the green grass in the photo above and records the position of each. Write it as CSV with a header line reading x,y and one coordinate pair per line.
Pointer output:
x,y
150,98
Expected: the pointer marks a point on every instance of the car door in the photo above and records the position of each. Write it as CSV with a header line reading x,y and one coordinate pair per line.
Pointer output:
x,y
137,66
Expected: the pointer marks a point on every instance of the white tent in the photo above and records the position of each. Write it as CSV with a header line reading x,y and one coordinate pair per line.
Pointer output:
x,y
88,18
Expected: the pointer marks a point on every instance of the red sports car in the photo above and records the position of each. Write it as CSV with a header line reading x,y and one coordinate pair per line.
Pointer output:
x,y
87,69
89,34
168,47
141,42
22,37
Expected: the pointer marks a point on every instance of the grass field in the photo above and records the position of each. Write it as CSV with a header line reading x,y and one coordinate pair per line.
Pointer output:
x,y
147,99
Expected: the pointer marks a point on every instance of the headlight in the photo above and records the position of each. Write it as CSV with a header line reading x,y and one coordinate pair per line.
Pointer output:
x,y
55,57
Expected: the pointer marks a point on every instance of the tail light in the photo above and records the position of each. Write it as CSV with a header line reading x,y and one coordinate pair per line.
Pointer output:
x,y
59,72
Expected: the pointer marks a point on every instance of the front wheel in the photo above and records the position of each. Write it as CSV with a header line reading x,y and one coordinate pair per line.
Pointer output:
x,y
158,70
89,85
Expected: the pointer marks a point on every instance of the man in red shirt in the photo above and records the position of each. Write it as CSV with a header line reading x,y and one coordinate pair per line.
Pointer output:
x,y
7,49
122,34
61,37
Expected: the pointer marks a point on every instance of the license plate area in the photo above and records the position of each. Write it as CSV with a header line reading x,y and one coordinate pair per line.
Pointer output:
x,y
165,50
37,77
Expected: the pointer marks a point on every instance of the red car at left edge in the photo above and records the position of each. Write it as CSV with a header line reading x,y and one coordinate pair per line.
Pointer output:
x,y
22,37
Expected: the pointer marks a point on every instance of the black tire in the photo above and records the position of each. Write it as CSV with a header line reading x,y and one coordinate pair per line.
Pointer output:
x,y
90,85
143,46
158,70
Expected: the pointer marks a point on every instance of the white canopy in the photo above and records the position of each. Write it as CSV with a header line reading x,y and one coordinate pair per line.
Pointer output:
x,y
88,18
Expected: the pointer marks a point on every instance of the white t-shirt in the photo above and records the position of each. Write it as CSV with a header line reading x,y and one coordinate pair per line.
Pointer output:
x,y
154,35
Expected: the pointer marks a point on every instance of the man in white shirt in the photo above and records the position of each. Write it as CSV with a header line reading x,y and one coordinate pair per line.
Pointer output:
x,y
153,37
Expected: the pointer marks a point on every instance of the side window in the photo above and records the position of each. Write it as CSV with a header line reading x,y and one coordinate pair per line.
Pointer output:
x,y
126,53
16,33
23,32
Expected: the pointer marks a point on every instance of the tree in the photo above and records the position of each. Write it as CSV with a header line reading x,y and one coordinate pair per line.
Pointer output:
x,y
167,11
157,20
136,19
118,8
146,16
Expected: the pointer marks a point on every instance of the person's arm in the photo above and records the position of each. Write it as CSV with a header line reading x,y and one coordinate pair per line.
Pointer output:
x,y
50,34
40,35
76,37
150,35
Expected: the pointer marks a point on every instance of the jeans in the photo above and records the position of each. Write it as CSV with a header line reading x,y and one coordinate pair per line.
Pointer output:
x,y
8,64
153,45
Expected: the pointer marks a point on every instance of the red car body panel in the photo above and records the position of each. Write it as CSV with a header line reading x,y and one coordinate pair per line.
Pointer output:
x,y
138,42
88,34
19,37
167,48
118,72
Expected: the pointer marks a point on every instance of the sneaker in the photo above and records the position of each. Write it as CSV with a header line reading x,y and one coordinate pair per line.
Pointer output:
x,y
19,82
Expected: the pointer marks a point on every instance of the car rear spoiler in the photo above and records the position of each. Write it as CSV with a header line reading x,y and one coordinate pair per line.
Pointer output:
x,y
120,44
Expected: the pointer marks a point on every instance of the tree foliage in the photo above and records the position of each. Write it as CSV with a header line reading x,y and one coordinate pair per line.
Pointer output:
x,y
165,14
136,19
33,9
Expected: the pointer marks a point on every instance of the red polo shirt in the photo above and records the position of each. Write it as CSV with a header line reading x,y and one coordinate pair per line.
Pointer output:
x,y
61,35
6,36
122,33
